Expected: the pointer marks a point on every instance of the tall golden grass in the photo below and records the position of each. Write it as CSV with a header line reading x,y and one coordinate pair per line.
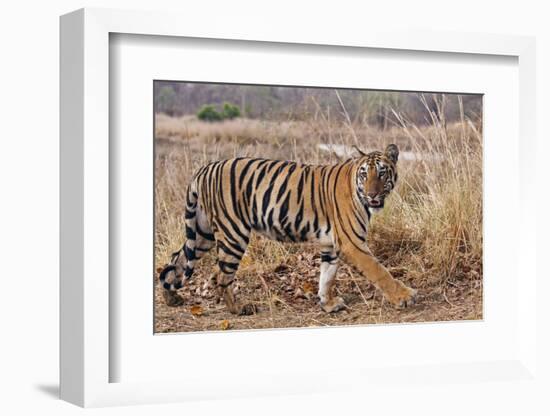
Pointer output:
x,y
429,233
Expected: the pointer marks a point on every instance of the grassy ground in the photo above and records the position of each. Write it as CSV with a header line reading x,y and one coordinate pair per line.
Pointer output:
x,y
429,234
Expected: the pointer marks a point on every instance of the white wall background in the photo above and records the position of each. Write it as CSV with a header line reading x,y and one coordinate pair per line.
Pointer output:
x,y
29,175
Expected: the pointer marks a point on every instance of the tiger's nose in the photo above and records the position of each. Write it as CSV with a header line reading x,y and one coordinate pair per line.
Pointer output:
x,y
372,195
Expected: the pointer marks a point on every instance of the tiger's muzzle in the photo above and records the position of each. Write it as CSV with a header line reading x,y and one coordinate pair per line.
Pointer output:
x,y
375,200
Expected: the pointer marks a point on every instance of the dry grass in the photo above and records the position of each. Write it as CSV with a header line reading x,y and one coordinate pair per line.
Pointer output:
x,y
429,234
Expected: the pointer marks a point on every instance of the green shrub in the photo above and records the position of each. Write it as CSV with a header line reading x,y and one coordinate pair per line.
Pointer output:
x,y
209,113
230,111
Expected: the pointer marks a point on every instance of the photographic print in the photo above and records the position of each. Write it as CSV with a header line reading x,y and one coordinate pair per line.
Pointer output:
x,y
289,206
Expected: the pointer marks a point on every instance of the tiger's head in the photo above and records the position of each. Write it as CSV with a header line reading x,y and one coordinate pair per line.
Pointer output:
x,y
376,176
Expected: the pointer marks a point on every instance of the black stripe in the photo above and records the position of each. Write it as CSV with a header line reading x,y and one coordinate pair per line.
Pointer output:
x,y
164,272
289,233
189,253
190,233
360,221
323,187
313,205
228,268
266,199
359,236
303,233
245,170
175,256
260,177
236,246
283,187
232,180
255,223
273,164
227,250
327,258
205,235
301,184
283,211
299,216
248,191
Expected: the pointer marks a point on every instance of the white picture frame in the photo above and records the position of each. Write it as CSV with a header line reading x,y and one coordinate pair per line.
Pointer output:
x,y
85,213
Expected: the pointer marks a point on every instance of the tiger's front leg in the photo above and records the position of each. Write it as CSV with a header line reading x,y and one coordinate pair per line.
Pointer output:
x,y
229,257
225,284
394,290
329,267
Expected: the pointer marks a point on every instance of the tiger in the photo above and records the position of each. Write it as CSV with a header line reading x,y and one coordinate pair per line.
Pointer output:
x,y
328,205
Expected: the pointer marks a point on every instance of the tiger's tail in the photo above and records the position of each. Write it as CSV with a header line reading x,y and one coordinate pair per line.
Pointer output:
x,y
183,261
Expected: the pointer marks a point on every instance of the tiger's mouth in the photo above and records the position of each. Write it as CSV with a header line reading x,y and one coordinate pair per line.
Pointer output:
x,y
376,203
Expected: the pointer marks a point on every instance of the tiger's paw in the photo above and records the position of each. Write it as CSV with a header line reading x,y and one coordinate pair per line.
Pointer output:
x,y
248,309
404,297
172,298
333,305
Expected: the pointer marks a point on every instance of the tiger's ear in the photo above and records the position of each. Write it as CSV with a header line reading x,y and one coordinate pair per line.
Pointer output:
x,y
392,152
359,151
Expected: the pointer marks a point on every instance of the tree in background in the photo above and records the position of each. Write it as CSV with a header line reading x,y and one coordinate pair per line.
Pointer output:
x,y
165,100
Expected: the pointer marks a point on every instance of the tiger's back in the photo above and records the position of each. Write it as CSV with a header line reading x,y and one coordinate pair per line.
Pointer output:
x,y
280,200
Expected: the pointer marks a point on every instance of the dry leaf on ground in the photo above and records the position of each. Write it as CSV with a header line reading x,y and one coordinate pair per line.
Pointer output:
x,y
196,310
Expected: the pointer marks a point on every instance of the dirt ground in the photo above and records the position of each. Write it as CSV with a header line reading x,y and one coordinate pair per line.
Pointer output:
x,y
285,297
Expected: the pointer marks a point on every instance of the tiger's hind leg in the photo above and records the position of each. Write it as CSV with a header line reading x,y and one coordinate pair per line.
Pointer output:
x,y
329,267
230,254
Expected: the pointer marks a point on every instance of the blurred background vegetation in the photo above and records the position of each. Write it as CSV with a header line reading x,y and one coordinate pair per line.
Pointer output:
x,y
278,103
